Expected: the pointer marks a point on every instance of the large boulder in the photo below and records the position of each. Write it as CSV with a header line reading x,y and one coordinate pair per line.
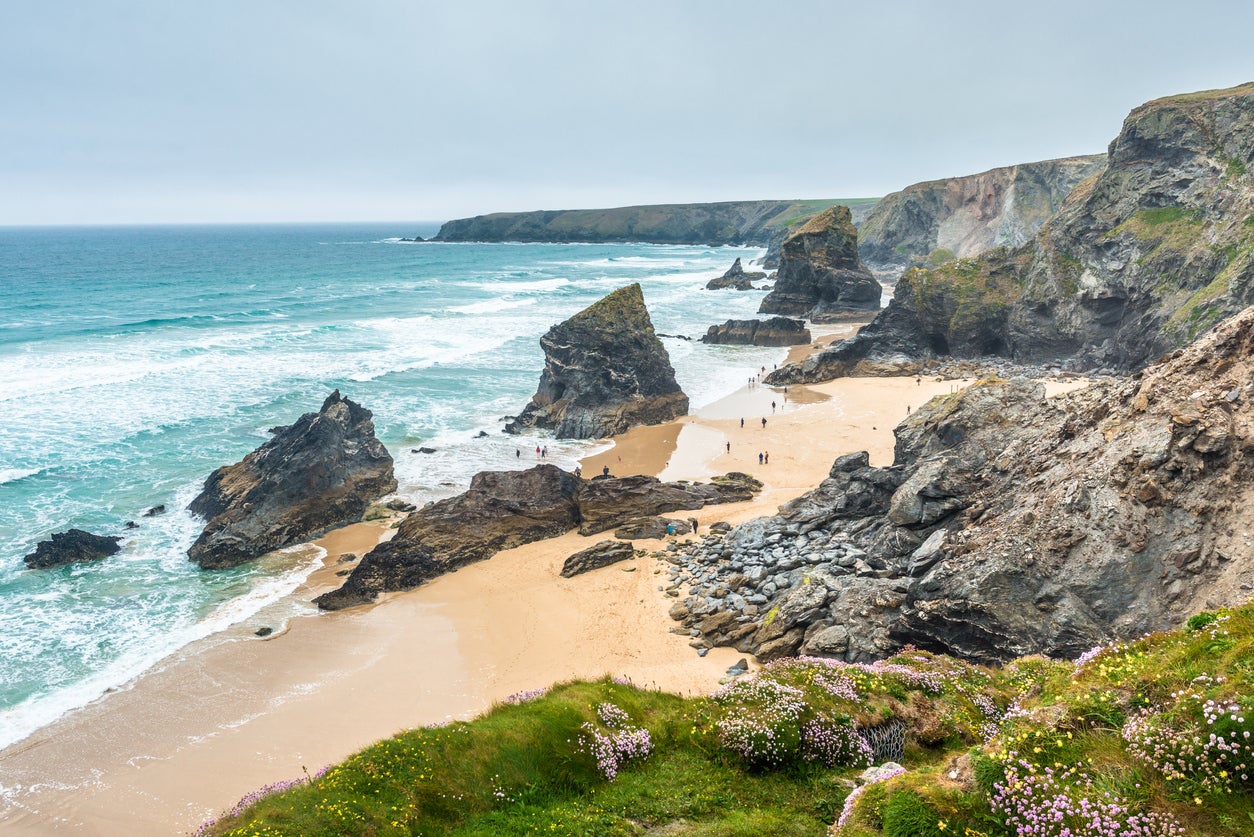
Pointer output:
x,y
606,504
312,476
735,278
594,557
69,547
501,510
777,331
604,371
820,272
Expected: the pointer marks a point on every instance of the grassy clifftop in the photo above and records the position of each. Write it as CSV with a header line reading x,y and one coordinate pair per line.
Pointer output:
x,y
733,222
1145,738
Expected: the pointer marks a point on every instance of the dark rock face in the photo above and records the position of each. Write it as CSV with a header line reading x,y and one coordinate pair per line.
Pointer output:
x,y
501,510
594,557
604,371
69,547
1008,524
317,474
605,504
961,217
504,509
1141,258
735,278
777,331
820,272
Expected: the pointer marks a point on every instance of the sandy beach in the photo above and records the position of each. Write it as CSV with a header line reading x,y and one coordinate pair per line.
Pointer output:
x,y
236,712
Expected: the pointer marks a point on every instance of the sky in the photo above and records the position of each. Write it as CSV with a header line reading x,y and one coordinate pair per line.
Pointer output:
x,y
116,112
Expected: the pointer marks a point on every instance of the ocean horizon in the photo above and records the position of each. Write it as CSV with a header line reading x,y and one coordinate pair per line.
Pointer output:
x,y
136,359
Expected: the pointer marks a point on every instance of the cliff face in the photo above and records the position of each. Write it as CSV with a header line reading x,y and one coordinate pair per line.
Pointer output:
x,y
1010,524
1141,258
754,223
604,371
319,473
820,272
964,216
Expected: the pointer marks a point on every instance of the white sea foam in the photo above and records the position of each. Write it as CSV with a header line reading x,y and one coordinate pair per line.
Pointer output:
x,y
15,474
518,287
492,306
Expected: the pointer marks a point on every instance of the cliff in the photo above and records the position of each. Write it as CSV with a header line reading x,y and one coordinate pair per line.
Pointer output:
x,y
964,216
755,223
1142,258
820,272
604,371
1010,524
312,476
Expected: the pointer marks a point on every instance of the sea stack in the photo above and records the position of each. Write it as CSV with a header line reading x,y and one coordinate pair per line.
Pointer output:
x,y
820,272
312,476
604,371
735,278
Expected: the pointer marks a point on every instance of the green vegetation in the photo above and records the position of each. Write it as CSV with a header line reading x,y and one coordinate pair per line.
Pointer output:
x,y
1151,737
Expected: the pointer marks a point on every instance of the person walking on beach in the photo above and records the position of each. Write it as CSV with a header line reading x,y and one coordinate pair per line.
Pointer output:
x,y
772,406
545,452
578,472
517,453
766,458
742,424
693,521
537,451
763,422
605,471
759,459
729,447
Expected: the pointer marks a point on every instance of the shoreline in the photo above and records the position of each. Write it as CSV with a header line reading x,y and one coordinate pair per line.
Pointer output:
x,y
233,712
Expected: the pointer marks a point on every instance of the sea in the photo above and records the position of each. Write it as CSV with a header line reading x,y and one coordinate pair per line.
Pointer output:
x,y
135,360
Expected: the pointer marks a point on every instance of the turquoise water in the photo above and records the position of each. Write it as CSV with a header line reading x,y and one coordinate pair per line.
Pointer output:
x,y
134,361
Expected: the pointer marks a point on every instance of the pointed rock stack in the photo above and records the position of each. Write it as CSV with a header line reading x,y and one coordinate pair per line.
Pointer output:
x,y
820,272
604,371
317,474
735,278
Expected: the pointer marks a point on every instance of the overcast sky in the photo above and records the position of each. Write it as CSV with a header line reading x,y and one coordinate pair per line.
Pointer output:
x,y
168,111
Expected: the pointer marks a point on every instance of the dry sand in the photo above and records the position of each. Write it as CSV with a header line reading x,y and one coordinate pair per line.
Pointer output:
x,y
235,712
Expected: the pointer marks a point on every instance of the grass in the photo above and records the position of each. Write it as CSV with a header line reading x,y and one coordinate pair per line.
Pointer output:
x,y
981,747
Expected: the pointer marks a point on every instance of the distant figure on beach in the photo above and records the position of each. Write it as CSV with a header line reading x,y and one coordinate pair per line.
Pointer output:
x,y
605,471
545,452
693,521
670,528
766,458
729,447
537,450
759,459
918,381
578,472
742,423
517,453
772,406
907,409
763,422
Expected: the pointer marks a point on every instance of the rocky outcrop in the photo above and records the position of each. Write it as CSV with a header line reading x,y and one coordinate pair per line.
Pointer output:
x,y
1141,258
594,557
312,476
648,528
504,509
754,223
604,371
71,547
1008,524
735,278
820,272
605,504
777,331
501,510
960,217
